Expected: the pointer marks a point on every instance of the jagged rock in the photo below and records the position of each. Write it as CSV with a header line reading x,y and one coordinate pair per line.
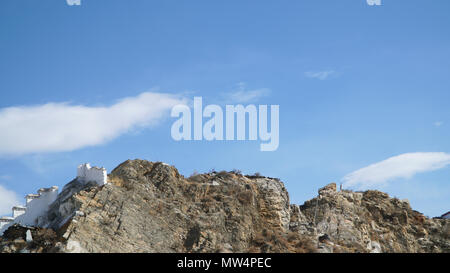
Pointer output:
x,y
328,189
374,247
374,222
150,207
324,238
28,240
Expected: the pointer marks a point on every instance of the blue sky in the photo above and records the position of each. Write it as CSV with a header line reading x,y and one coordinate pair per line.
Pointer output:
x,y
356,85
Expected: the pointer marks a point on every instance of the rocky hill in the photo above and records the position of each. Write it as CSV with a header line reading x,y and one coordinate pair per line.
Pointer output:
x,y
150,207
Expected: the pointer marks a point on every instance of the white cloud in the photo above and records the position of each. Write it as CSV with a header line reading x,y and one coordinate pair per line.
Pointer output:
x,y
321,75
401,166
56,127
438,123
8,199
242,95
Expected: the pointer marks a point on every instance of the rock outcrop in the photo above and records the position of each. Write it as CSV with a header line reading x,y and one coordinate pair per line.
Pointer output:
x,y
150,207
371,221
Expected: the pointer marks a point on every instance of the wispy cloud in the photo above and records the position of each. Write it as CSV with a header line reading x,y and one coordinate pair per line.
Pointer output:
x,y
320,75
242,95
56,127
397,167
8,199
438,123
5,177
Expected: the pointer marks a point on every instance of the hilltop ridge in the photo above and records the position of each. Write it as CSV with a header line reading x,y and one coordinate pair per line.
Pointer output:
x,y
150,207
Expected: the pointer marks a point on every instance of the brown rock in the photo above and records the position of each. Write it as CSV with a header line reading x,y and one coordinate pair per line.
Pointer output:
x,y
150,207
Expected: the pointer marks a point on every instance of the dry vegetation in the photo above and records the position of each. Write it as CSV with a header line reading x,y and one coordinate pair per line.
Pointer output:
x,y
276,241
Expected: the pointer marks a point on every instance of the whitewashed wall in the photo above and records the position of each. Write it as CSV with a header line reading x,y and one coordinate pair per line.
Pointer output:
x,y
37,204
38,207
86,173
5,221
17,211
35,209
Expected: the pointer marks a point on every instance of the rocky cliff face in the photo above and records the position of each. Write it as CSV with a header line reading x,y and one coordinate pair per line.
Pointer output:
x,y
150,207
371,221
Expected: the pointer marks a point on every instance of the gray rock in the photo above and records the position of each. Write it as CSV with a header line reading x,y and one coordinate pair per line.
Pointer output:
x,y
150,207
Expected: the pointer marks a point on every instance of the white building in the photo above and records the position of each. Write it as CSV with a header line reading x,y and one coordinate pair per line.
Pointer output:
x,y
18,210
30,197
5,221
37,205
86,173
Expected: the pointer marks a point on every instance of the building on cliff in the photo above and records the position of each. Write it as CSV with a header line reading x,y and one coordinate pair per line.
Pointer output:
x,y
37,205
86,173
5,221
30,214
